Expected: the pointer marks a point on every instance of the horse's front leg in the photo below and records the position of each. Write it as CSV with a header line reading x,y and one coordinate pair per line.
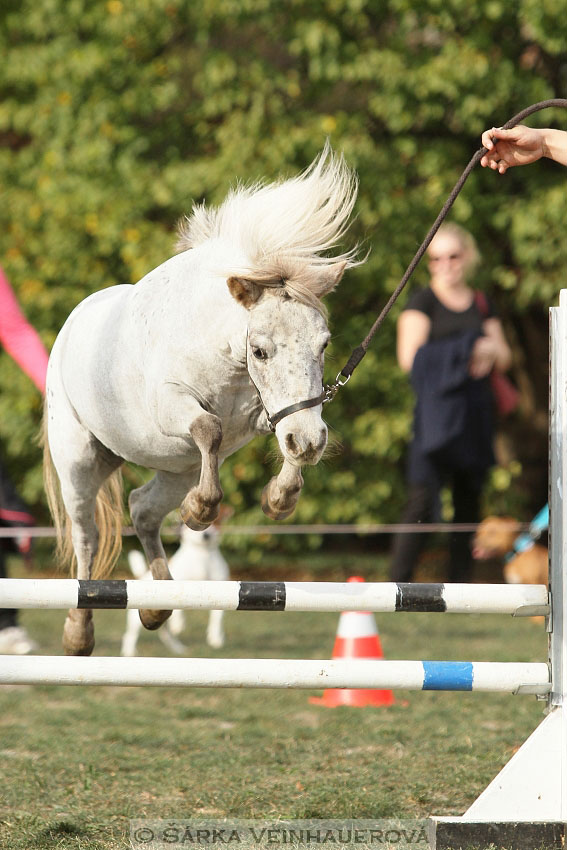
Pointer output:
x,y
181,415
200,507
281,493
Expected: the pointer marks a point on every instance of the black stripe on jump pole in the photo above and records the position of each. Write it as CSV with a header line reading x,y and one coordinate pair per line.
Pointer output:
x,y
420,597
261,596
102,594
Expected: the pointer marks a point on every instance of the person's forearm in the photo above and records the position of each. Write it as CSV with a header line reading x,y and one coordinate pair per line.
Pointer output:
x,y
555,145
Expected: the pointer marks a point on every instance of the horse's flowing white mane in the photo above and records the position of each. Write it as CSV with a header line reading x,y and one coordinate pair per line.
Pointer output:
x,y
286,230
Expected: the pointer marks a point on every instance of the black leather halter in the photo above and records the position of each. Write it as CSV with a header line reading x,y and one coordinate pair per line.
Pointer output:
x,y
328,394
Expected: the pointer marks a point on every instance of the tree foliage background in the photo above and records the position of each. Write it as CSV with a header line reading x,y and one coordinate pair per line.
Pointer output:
x,y
115,116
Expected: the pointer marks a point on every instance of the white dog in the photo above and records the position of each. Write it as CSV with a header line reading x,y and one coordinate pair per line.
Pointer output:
x,y
198,559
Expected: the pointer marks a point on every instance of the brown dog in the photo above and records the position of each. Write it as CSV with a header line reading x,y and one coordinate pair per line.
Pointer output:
x,y
495,538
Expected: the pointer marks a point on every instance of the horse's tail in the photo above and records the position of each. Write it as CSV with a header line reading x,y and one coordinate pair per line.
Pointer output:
x,y
64,549
108,517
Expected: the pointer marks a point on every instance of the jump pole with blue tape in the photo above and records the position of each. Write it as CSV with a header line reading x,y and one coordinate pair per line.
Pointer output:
x,y
501,677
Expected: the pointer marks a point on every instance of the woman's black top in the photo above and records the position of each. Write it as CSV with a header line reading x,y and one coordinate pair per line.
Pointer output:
x,y
445,322
453,414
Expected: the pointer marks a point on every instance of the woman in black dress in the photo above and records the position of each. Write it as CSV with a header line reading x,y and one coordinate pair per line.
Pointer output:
x,y
449,339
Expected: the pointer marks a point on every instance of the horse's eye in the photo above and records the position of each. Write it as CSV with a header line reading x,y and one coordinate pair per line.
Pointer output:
x,y
260,353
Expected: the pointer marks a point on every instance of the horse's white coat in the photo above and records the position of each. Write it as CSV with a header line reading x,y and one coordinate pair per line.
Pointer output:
x,y
137,361
166,373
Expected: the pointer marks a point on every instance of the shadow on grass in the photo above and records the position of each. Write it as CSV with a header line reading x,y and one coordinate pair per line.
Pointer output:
x,y
61,829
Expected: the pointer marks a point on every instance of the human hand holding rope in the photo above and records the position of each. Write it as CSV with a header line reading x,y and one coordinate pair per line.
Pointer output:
x,y
522,145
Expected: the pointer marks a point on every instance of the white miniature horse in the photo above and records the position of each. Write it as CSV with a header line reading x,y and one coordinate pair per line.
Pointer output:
x,y
180,370
198,558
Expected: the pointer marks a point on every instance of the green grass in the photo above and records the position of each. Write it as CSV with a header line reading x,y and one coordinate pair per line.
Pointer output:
x,y
79,763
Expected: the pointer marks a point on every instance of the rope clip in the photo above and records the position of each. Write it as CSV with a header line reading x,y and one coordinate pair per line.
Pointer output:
x,y
331,390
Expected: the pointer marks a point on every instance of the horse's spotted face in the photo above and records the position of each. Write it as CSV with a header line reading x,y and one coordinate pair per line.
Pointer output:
x,y
286,344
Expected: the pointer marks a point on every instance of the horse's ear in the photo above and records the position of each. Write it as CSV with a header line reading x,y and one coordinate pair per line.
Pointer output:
x,y
246,292
328,278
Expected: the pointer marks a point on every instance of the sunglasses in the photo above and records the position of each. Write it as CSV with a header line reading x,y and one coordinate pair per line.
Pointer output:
x,y
445,257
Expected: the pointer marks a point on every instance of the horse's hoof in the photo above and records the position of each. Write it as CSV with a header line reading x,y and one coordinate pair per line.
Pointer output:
x,y
151,619
270,510
196,514
193,523
78,634
82,650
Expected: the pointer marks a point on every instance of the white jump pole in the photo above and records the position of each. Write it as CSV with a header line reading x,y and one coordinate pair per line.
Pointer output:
x,y
501,677
378,597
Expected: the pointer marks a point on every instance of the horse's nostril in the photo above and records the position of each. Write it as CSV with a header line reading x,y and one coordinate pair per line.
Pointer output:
x,y
306,450
291,444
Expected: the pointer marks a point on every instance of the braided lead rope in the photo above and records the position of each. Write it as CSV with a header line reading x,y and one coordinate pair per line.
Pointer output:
x,y
359,352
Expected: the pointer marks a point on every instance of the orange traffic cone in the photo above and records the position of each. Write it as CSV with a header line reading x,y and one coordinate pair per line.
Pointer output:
x,y
357,637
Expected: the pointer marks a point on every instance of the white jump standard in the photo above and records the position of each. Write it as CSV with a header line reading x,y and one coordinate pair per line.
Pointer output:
x,y
531,789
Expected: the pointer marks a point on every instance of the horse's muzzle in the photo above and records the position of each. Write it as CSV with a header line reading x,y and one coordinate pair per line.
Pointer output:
x,y
303,449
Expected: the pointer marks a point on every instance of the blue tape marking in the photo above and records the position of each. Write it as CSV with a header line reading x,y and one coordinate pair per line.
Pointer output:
x,y
540,522
447,675
521,544
538,525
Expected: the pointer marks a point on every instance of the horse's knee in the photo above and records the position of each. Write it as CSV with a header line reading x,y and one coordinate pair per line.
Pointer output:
x,y
206,431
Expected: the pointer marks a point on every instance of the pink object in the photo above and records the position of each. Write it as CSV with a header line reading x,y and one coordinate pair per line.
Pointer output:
x,y
19,338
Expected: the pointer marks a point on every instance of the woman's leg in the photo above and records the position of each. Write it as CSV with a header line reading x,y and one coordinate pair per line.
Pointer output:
x,y
407,546
467,489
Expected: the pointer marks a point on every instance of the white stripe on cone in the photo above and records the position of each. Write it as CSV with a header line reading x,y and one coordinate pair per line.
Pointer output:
x,y
355,624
